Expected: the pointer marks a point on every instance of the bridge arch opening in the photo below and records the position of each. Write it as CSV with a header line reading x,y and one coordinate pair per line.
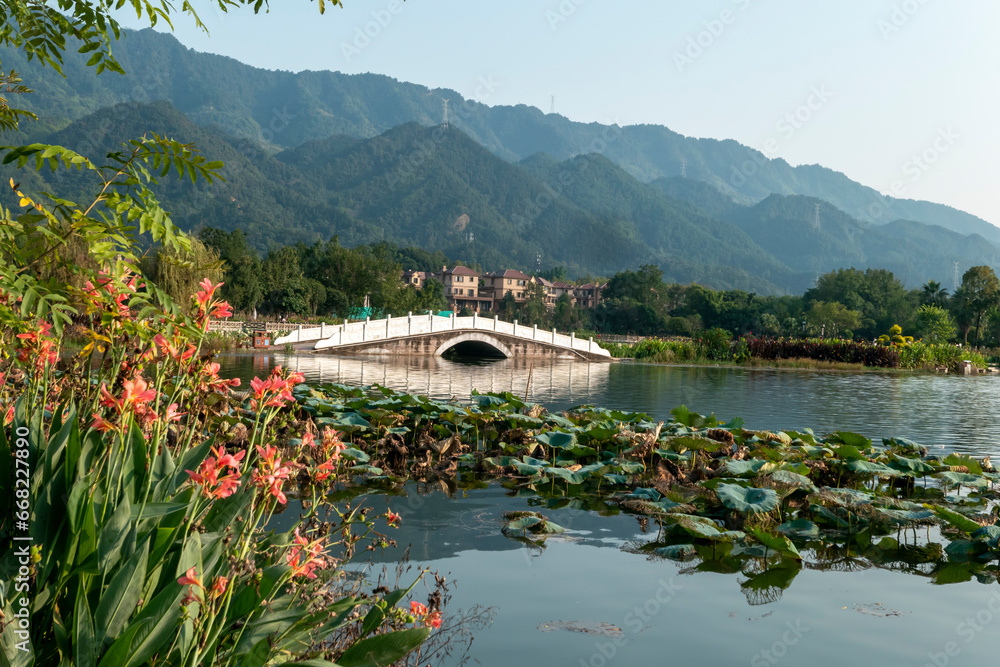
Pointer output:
x,y
475,345
474,348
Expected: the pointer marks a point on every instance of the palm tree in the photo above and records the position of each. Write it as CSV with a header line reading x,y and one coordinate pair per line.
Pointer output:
x,y
934,295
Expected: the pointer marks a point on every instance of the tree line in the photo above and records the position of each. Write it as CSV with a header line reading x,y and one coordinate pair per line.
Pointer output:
x,y
330,280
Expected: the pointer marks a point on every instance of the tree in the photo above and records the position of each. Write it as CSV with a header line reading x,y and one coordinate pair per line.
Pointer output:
x,y
979,292
932,294
244,287
934,324
178,272
533,310
831,318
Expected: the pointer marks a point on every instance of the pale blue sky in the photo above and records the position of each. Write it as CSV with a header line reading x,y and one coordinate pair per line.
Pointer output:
x,y
893,75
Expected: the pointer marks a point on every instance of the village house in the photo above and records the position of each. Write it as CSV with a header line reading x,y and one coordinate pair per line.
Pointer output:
x,y
462,289
500,283
589,295
465,288
416,278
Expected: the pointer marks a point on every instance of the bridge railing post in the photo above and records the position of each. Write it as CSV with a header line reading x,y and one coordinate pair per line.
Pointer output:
x,y
534,332
515,327
298,337
475,320
387,319
364,330
553,335
409,323
496,318
322,330
572,340
590,348
430,317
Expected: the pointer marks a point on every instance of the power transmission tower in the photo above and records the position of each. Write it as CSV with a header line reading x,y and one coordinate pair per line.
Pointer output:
x,y
684,168
816,219
955,286
445,123
552,106
538,263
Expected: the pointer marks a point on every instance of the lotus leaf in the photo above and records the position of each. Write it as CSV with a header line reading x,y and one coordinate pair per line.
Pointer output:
x,y
950,479
679,552
956,520
872,468
910,466
747,499
802,529
778,543
556,439
747,468
990,535
355,455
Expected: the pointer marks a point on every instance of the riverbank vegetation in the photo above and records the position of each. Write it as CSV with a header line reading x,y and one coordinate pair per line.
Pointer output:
x,y
715,346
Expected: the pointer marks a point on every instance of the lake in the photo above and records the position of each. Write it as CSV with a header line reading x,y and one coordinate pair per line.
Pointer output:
x,y
647,610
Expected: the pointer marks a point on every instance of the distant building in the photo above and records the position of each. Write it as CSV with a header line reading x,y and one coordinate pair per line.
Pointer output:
x,y
416,278
465,288
589,295
501,283
462,289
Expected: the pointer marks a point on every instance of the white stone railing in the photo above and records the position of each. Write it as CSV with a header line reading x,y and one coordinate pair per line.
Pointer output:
x,y
327,336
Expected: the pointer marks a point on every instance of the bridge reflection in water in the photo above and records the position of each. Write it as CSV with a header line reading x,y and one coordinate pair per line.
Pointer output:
x,y
557,383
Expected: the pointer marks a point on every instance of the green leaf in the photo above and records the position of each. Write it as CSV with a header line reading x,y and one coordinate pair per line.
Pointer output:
x,y
118,602
778,543
679,552
153,628
747,468
85,645
113,535
802,529
383,650
557,439
951,479
955,519
747,499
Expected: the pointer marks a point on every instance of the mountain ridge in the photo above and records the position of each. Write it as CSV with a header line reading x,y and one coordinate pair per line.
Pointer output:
x,y
280,110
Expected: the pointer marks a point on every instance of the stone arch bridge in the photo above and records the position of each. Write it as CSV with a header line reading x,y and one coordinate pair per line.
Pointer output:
x,y
432,335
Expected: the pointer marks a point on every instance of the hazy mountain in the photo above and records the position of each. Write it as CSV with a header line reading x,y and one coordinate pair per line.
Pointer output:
x,y
440,190
283,110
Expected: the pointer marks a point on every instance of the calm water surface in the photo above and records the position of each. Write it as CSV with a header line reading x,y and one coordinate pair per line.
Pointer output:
x,y
670,613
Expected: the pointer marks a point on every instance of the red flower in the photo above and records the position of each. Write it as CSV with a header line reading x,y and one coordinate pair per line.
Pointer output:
x,y
305,557
100,424
190,578
270,474
172,414
392,518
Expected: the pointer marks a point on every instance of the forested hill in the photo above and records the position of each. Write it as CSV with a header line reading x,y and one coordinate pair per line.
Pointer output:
x,y
281,110
440,190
